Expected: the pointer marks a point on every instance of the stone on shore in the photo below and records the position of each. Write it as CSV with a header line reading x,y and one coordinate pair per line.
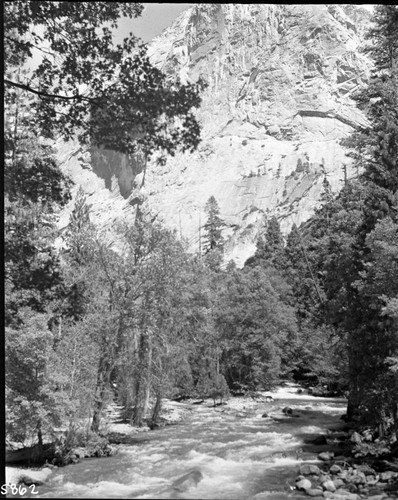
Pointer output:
x,y
340,495
303,484
308,469
335,469
355,438
326,456
329,485
314,492
386,476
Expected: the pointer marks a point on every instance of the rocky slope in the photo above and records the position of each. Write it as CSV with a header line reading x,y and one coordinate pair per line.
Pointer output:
x,y
280,80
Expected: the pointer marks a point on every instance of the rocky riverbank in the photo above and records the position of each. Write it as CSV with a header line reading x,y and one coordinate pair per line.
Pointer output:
x,y
343,475
340,480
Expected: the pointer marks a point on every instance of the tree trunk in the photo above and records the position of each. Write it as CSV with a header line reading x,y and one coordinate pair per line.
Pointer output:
x,y
354,398
143,380
156,410
103,378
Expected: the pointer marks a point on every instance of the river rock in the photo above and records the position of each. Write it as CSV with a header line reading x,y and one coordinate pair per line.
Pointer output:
x,y
386,476
372,480
326,455
37,477
366,469
319,440
79,453
188,481
335,469
356,477
314,492
340,495
308,469
324,477
287,411
329,485
367,435
355,438
303,484
338,482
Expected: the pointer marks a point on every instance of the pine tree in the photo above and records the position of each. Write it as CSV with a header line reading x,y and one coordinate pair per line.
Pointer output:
x,y
359,242
213,226
269,251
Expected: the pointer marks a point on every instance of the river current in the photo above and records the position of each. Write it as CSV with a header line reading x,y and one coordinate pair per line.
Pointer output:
x,y
239,454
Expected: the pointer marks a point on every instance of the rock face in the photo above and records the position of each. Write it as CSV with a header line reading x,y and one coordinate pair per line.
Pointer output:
x,y
280,80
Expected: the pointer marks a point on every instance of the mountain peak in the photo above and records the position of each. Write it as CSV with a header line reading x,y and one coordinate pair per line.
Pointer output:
x,y
280,81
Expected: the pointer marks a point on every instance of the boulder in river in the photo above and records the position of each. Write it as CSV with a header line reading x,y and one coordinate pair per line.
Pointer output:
x,y
188,480
287,411
320,440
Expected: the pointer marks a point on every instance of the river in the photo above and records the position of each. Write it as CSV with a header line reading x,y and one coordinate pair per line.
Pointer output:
x,y
239,453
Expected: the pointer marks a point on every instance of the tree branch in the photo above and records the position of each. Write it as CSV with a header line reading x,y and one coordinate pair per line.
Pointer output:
x,y
40,93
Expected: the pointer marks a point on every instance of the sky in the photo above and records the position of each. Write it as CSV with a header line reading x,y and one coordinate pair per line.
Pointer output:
x,y
154,19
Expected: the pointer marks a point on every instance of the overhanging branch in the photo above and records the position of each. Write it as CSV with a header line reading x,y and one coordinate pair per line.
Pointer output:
x,y
40,93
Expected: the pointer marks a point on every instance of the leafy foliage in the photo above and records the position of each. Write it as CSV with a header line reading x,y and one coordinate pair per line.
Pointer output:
x,y
111,95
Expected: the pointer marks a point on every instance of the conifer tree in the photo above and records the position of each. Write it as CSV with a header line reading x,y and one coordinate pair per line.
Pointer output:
x,y
269,251
363,218
213,226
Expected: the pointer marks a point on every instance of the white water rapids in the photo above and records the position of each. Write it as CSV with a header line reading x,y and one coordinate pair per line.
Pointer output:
x,y
239,454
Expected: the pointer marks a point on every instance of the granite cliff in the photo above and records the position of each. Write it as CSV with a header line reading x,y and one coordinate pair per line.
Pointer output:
x,y
280,80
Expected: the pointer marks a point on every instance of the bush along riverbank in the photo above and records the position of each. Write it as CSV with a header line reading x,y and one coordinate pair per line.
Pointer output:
x,y
354,466
32,465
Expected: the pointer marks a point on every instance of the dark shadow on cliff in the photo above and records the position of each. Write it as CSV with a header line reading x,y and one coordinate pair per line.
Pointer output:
x,y
107,164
